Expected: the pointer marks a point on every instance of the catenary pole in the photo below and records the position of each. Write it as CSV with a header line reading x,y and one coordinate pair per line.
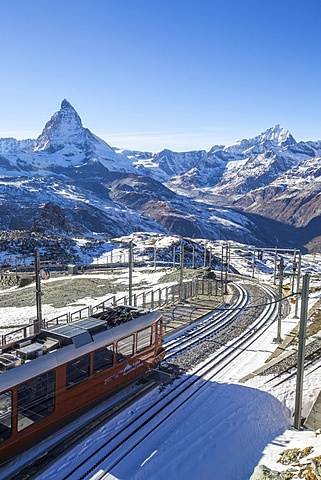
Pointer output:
x,y
38,322
130,268
293,270
226,269
253,264
181,266
275,261
301,352
278,338
181,262
298,288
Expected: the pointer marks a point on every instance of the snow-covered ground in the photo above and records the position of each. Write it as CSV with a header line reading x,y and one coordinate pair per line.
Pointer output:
x,y
231,427
222,433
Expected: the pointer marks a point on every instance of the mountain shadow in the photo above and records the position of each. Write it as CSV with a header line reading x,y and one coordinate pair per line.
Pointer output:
x,y
273,233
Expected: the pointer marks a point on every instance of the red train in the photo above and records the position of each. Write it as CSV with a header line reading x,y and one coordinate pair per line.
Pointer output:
x,y
53,376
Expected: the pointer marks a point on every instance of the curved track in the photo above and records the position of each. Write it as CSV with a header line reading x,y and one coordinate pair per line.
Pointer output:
x,y
201,331
92,458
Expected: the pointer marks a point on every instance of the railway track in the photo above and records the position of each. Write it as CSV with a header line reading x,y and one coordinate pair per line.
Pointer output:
x,y
206,328
91,459
288,368
46,457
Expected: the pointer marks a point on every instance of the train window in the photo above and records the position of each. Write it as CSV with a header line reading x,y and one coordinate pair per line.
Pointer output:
x,y
125,348
103,358
5,415
144,339
77,371
36,399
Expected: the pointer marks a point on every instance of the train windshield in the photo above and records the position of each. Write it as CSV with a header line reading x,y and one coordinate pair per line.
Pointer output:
x,y
125,348
144,339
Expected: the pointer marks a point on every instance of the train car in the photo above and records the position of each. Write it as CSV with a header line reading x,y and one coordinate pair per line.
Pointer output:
x,y
49,378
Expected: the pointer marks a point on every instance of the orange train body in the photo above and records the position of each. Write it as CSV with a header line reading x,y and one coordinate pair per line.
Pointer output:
x,y
49,378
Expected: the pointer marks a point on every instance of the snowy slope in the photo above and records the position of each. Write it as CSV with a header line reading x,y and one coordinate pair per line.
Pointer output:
x,y
121,189
225,430
64,142
247,164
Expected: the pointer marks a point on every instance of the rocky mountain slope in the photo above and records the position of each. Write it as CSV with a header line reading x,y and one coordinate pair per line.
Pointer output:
x,y
69,182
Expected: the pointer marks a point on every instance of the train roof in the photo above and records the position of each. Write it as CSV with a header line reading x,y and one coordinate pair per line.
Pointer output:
x,y
61,343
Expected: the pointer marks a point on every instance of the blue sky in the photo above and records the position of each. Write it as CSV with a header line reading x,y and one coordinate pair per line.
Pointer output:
x,y
154,74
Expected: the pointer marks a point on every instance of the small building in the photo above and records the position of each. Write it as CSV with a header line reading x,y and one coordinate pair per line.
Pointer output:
x,y
73,269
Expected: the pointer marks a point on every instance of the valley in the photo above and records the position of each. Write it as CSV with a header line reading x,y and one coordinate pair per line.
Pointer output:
x,y
69,184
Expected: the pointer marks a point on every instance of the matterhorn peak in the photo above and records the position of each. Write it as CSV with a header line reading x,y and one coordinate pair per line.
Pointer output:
x,y
68,110
66,104
64,128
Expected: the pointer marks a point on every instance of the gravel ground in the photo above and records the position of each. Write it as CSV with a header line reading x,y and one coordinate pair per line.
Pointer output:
x,y
62,292
290,361
68,290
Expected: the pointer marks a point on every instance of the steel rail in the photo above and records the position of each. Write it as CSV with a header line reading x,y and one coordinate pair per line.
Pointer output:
x,y
205,329
93,424
171,400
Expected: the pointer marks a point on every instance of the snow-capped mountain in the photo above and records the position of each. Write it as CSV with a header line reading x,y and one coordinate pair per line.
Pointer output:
x,y
275,138
63,143
64,129
245,165
12,146
162,166
69,181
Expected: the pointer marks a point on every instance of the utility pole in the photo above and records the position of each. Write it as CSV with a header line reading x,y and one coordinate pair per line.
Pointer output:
x,y
155,258
301,352
253,264
130,268
181,262
174,256
205,255
278,338
298,288
275,260
226,268
222,265
193,257
293,269
38,323
181,266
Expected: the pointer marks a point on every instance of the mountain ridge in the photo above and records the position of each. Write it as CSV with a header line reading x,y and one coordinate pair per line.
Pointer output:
x,y
69,181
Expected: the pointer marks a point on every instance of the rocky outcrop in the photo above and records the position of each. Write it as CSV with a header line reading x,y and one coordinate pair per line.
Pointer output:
x,y
299,466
